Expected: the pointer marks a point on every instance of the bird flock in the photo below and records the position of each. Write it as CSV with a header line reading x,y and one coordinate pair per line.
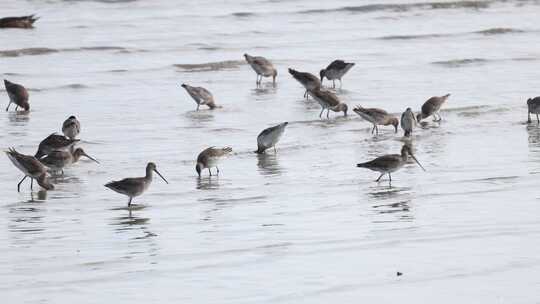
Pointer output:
x,y
57,152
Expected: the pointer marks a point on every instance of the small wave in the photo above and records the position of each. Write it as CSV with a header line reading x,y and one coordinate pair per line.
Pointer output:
x,y
210,66
44,51
409,37
243,14
460,62
403,7
498,31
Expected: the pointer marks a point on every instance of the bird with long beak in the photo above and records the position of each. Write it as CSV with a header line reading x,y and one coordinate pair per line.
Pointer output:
x,y
263,67
336,70
307,80
31,167
432,107
408,121
377,117
71,127
55,142
135,186
210,158
533,106
17,94
328,101
389,163
269,137
18,22
201,96
58,160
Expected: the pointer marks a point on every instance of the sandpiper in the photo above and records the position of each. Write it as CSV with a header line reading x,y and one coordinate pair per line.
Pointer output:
x,y
262,66
269,137
135,186
432,107
308,80
201,96
18,22
17,95
389,163
328,101
533,105
336,70
58,160
71,127
377,117
210,158
54,142
31,167
408,121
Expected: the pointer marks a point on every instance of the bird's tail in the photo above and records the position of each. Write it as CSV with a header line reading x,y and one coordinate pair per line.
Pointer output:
x,y
362,165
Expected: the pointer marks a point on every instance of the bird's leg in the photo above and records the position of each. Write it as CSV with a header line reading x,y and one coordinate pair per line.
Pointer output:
x,y
334,84
16,108
31,183
390,176
19,184
8,106
376,130
538,120
62,171
129,202
328,113
340,83
198,105
373,130
210,171
320,115
275,151
378,179
528,117
217,170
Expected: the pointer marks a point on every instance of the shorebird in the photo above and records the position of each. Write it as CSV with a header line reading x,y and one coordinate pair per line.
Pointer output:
x,y
31,167
71,127
201,96
308,80
432,107
210,158
269,137
336,70
54,142
135,186
408,121
389,163
328,101
262,66
58,160
533,105
18,22
377,117
17,95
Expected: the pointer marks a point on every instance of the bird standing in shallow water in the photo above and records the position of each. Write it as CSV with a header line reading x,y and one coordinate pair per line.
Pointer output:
x,y
263,67
533,106
432,107
31,167
389,163
54,142
17,95
269,137
377,117
336,70
18,22
201,96
71,127
408,121
328,101
58,160
308,80
210,158
135,186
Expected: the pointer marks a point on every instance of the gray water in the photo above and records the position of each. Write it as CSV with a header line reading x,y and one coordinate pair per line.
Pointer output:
x,y
300,226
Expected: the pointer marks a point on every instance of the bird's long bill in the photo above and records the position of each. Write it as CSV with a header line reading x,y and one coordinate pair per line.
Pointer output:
x,y
90,157
416,160
161,176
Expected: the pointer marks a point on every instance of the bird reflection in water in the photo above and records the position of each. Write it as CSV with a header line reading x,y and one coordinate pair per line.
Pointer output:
x,y
268,164
208,182
19,117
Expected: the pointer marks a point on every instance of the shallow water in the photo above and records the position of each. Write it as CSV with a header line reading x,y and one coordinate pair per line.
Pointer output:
x,y
300,226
